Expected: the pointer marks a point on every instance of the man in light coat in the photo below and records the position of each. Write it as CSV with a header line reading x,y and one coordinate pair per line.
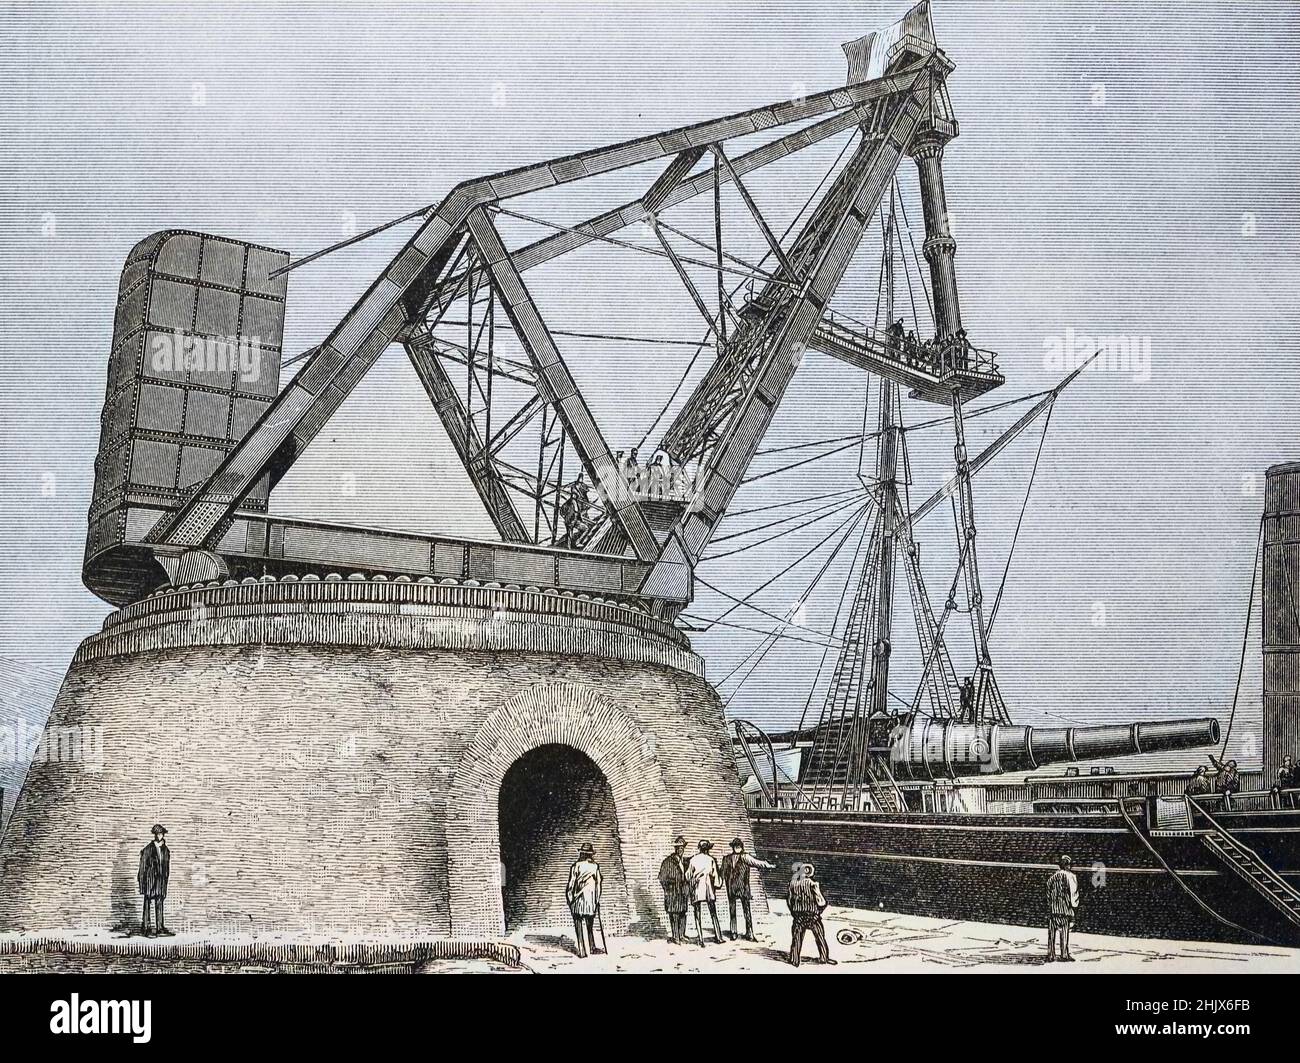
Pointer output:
x,y
736,866
704,879
583,897
155,869
1062,902
672,877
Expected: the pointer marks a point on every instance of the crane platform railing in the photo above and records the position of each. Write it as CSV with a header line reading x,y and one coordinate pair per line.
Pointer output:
x,y
931,369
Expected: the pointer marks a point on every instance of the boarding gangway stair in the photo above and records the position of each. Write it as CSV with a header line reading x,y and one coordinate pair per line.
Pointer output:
x,y
1248,864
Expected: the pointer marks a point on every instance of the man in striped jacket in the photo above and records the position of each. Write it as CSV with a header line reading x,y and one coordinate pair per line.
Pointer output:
x,y
806,906
1062,901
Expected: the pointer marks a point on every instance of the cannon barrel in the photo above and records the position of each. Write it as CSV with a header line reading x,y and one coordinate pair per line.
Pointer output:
x,y
927,749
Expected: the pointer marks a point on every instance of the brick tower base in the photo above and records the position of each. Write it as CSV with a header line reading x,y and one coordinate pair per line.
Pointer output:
x,y
365,757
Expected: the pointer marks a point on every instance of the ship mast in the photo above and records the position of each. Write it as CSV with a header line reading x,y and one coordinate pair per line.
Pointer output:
x,y
886,486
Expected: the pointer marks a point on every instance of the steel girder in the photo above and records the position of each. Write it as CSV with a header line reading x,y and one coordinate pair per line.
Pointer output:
x,y
727,416
379,317
458,245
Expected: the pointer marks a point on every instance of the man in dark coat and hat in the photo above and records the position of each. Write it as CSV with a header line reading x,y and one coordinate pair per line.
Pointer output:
x,y
735,872
672,877
155,867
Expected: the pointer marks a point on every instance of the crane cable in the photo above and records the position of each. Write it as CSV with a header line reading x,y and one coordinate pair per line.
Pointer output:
x,y
1245,639
348,242
798,560
915,258
839,609
832,510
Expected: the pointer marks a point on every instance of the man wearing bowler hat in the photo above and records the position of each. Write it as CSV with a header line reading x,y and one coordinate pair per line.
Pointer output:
x,y
735,872
672,877
155,866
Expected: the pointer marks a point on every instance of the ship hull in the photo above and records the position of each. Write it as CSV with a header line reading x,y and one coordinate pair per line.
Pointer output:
x,y
993,868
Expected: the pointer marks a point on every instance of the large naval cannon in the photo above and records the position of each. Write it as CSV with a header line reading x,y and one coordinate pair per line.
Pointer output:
x,y
921,749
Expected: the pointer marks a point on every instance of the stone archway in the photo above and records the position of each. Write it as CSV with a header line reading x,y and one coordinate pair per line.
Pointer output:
x,y
546,715
552,800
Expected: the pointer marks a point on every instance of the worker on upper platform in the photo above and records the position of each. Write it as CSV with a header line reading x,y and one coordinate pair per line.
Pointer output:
x,y
1288,778
1227,781
575,512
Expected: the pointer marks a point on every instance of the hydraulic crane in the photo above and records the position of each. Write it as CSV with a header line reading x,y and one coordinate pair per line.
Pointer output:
x,y
596,534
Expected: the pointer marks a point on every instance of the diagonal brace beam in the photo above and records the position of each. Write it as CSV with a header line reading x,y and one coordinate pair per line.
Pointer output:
x,y
466,438
686,279
556,385
768,235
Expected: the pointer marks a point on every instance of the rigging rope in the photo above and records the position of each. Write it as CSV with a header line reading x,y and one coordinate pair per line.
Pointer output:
x,y
757,631
348,242
797,561
997,600
855,436
629,339
757,271
627,245
907,274
915,258
839,609
831,509
802,599
966,415
793,502
1245,639
797,464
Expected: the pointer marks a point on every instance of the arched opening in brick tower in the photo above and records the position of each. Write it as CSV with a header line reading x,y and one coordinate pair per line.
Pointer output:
x,y
552,799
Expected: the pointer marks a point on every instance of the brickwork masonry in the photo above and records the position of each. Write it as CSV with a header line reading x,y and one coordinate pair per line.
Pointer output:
x,y
327,756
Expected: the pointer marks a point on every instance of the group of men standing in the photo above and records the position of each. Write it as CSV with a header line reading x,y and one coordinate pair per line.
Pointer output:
x,y
696,883
1226,780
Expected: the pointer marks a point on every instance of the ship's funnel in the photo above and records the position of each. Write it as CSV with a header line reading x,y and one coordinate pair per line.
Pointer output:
x,y
925,749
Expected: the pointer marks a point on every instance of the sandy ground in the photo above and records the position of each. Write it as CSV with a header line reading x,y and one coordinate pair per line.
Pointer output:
x,y
902,943
882,942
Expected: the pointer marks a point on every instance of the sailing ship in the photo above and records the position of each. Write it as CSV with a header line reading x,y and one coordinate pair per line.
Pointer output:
x,y
899,806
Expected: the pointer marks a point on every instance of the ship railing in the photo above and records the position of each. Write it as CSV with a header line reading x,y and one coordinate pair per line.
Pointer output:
x,y
1084,806
1276,799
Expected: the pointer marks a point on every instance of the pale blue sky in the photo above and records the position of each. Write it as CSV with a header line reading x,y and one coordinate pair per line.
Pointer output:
x,y
1110,157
